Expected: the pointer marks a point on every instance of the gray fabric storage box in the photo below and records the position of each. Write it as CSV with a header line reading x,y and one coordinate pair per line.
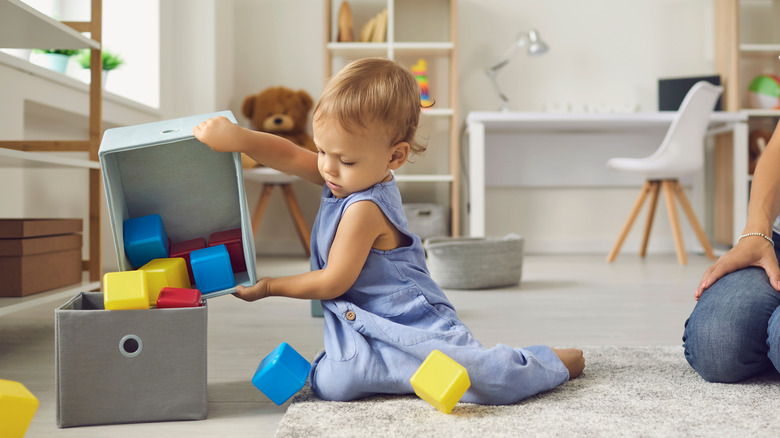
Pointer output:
x,y
161,168
128,366
426,220
475,262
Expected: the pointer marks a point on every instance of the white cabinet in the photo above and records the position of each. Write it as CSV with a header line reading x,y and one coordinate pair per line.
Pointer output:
x,y
23,27
415,30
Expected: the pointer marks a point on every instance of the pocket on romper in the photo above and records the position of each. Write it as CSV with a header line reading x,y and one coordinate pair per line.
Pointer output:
x,y
407,318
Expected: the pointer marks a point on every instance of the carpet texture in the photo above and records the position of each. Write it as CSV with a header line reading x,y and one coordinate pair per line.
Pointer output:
x,y
624,391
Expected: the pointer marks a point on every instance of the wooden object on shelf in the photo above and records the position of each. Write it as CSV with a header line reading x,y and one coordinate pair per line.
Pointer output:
x,y
38,255
21,26
399,42
346,30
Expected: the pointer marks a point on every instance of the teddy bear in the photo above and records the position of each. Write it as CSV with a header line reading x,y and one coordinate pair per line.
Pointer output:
x,y
280,111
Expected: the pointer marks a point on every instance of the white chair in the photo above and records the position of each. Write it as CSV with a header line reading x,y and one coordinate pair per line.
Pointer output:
x,y
272,178
681,153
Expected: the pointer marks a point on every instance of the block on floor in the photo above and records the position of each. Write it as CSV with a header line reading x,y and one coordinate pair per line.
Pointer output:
x,y
440,381
17,408
281,374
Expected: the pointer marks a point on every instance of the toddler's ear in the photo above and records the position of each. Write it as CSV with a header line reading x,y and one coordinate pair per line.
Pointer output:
x,y
400,155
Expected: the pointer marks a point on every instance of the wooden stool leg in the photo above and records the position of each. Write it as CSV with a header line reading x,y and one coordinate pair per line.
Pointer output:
x,y
631,217
262,203
655,187
300,222
674,221
686,206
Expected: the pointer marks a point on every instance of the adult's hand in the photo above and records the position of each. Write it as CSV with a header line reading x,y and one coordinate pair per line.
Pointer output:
x,y
749,251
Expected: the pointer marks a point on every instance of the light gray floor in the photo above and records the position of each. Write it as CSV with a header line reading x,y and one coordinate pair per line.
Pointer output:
x,y
561,301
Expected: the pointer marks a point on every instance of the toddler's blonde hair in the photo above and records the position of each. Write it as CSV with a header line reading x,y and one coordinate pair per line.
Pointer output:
x,y
374,91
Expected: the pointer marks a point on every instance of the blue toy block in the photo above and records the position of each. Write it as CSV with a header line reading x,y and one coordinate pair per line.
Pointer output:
x,y
212,269
281,374
145,239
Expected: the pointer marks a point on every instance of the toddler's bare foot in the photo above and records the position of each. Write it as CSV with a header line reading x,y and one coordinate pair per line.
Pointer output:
x,y
573,360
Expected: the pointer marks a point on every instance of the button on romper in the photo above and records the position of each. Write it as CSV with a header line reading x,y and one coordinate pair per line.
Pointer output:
x,y
378,332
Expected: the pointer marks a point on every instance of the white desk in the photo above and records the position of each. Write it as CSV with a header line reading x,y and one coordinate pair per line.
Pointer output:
x,y
572,130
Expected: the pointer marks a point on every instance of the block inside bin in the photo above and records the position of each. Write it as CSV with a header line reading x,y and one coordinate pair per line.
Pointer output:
x,y
161,168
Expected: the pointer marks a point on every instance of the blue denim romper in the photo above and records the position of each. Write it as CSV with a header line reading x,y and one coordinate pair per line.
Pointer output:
x,y
378,333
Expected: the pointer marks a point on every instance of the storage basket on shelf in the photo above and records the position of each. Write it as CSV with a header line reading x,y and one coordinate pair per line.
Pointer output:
x,y
475,262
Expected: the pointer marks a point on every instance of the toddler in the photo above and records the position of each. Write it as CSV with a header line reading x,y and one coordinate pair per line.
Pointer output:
x,y
383,312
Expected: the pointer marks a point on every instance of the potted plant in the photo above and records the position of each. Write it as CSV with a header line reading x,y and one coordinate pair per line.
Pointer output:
x,y
111,61
53,59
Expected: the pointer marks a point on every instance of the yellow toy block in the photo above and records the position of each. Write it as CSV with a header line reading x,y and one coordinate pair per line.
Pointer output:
x,y
440,381
125,290
17,408
160,273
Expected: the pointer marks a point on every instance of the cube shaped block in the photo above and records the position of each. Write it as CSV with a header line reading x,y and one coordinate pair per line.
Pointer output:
x,y
145,239
125,290
212,269
232,240
183,250
281,374
440,381
171,297
161,273
17,408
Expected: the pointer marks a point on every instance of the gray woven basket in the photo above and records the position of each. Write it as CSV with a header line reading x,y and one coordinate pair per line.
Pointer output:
x,y
475,263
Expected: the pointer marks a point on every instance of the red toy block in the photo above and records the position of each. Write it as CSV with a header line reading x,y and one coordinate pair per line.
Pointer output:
x,y
183,250
234,244
173,297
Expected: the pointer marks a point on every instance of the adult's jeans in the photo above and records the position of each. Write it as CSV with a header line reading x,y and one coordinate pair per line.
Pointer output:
x,y
734,331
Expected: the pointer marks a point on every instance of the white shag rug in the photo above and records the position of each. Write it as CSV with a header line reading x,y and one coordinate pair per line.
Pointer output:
x,y
624,392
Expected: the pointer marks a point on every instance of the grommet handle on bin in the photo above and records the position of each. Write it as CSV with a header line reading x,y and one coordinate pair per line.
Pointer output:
x,y
170,131
130,346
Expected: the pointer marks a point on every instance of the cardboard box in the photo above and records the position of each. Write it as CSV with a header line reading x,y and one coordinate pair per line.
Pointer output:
x,y
38,255
161,168
128,366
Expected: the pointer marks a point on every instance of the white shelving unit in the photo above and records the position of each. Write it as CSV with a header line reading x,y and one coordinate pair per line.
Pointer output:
x,y
411,35
23,27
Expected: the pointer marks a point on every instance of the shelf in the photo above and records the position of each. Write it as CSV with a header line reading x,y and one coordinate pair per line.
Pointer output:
x,y
761,112
424,178
760,48
10,305
14,158
424,47
24,27
438,112
358,49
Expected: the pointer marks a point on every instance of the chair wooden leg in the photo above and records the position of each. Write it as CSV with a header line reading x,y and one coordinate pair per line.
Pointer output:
x,y
631,218
655,187
300,222
674,221
262,203
686,206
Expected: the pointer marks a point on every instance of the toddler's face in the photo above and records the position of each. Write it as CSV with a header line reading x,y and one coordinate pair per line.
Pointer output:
x,y
349,162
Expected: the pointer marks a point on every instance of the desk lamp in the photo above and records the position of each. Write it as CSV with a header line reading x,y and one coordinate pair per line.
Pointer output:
x,y
536,47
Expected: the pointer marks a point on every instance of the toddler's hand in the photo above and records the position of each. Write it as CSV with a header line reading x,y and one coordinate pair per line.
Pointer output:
x,y
573,360
217,133
254,293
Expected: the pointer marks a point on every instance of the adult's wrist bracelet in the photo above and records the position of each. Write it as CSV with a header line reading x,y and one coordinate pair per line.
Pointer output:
x,y
757,234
